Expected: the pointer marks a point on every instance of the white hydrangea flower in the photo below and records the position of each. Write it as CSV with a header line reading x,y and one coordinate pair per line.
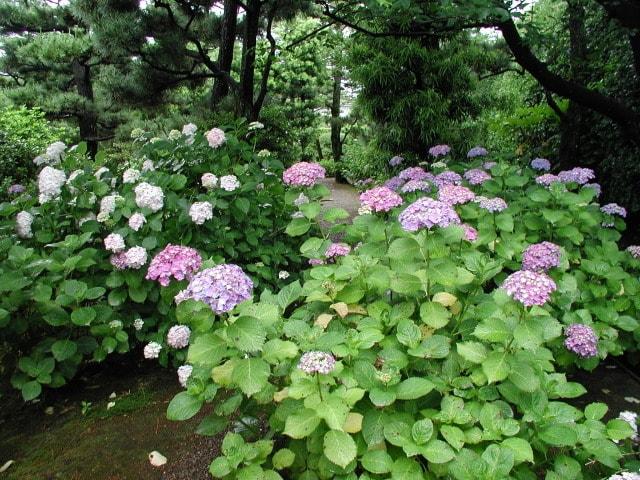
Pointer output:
x,y
184,372
283,275
209,181
200,212
138,323
23,224
154,139
174,134
41,160
364,210
438,165
215,137
260,186
256,126
131,175
100,172
102,217
147,166
264,153
152,350
136,221
137,134
632,419
136,257
149,196
178,336
50,182
229,183
297,215
55,151
114,243
625,476
189,129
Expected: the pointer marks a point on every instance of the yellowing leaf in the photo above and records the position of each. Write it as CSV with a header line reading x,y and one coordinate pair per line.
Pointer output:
x,y
222,374
353,424
323,319
359,309
445,298
456,308
281,395
341,309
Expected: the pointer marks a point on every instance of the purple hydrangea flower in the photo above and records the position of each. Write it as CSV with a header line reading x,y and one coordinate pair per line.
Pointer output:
x,y
529,288
427,213
547,179
477,152
174,261
380,199
414,173
395,161
15,189
439,150
489,165
221,287
119,260
447,178
303,174
317,362
614,209
595,186
578,175
337,250
581,340
475,176
415,185
455,194
394,183
178,336
634,250
492,205
541,164
470,233
540,257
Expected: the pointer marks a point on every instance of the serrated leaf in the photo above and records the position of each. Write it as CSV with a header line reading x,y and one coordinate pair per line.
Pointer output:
x,y
339,448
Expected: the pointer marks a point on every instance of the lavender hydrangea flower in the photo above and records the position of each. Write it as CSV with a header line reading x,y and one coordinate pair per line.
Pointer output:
x,y
221,287
152,350
184,372
578,175
414,173
114,242
634,250
581,340
489,165
337,250
594,186
136,257
541,164
119,260
15,189
447,178
380,199
174,261
492,205
395,161
315,262
415,185
317,362
547,179
455,194
470,233
303,174
178,336
427,213
475,176
439,150
477,152
394,183
540,257
614,209
529,288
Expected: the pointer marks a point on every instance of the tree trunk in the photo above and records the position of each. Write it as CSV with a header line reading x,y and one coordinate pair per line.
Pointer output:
x,y
247,72
225,52
87,119
336,122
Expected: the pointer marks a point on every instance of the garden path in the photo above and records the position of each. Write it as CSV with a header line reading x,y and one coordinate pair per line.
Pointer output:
x,y
342,196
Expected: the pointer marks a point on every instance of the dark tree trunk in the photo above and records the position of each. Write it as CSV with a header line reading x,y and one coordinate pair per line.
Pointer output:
x,y
247,72
87,119
225,53
336,121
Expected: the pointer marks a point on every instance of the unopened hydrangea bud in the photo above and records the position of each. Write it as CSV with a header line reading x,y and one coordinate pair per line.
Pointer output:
x,y
138,323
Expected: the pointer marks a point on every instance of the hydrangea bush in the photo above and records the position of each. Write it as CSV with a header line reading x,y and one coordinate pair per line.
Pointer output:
x,y
91,259
438,347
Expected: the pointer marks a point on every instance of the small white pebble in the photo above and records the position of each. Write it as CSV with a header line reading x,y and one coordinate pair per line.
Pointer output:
x,y
157,459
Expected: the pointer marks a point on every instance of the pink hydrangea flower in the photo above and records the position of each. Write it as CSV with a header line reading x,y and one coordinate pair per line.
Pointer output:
x,y
475,176
470,233
414,173
174,261
581,340
215,137
427,213
540,257
303,174
380,199
529,288
455,194
337,250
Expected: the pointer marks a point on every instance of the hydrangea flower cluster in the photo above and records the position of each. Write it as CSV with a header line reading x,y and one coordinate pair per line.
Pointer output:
x,y
634,250
439,164
215,137
136,257
189,130
50,182
477,152
439,150
315,262
489,165
415,186
174,261
114,242
578,175
475,176
470,233
547,179
427,213
138,323
136,221
107,207
303,174
131,175
337,250
200,212
317,362
380,199
55,151
414,173
395,161
394,183
581,340
152,350
23,224
229,183
15,189
632,419
184,372
595,186
492,205
614,209
541,164
455,194
540,257
221,287
625,476
447,178
283,274
149,196
119,260
178,336
529,288
209,181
